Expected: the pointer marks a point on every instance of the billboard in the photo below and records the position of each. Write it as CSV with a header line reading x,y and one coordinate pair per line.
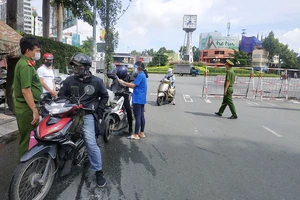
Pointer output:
x,y
76,39
215,40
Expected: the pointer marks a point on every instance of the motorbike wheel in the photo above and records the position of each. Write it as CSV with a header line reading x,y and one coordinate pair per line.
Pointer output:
x,y
108,129
159,101
24,184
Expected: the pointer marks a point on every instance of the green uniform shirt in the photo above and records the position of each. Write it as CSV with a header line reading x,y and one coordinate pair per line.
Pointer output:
x,y
230,76
26,77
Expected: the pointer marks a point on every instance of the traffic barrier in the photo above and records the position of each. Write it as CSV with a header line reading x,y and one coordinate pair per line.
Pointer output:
x,y
284,87
214,86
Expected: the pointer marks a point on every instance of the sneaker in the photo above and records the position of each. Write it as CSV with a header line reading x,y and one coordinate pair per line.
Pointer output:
x,y
233,117
219,114
101,182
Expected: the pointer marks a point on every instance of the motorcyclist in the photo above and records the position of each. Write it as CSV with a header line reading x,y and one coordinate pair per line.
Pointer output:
x,y
170,76
122,73
82,77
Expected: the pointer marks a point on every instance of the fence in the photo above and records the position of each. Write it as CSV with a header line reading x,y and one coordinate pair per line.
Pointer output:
x,y
285,86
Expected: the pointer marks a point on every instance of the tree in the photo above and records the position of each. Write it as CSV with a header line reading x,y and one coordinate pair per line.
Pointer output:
x,y
11,13
136,53
46,18
87,46
271,44
196,54
160,59
240,58
274,47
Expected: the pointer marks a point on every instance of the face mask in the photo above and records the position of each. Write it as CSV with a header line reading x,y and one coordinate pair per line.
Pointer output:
x,y
48,64
37,56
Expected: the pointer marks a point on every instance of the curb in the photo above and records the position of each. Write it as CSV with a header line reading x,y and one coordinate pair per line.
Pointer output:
x,y
4,139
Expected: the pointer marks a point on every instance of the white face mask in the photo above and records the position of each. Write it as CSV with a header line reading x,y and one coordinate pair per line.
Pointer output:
x,y
37,56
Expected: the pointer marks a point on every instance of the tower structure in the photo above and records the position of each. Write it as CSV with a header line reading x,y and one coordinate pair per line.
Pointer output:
x,y
189,25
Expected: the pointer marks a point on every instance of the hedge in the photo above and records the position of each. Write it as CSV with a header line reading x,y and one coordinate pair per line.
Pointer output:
x,y
61,52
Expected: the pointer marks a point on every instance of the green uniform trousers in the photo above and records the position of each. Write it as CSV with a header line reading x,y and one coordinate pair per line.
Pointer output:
x,y
227,100
24,117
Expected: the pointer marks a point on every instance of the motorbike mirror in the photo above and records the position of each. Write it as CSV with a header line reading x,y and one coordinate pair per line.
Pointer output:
x,y
89,90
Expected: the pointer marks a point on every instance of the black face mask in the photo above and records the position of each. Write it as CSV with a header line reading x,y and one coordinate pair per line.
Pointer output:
x,y
48,64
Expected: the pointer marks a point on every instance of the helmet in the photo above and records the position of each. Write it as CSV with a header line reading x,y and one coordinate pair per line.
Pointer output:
x,y
48,56
80,59
122,71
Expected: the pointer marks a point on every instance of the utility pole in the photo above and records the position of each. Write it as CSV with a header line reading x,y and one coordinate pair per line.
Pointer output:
x,y
94,31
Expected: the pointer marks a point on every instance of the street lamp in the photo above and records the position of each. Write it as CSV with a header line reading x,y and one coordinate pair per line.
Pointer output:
x,y
34,14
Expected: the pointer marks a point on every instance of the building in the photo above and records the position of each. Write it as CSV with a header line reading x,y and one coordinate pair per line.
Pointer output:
x,y
24,22
144,59
260,59
215,48
215,57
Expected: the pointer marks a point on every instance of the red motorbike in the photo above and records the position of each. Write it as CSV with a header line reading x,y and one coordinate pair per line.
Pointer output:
x,y
54,146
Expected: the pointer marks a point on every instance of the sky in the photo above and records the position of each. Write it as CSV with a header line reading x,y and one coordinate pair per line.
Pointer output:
x,y
158,23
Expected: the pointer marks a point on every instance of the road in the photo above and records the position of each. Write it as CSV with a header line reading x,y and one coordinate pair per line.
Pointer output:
x,y
189,153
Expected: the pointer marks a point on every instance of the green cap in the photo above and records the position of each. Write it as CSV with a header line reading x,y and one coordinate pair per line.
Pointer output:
x,y
229,62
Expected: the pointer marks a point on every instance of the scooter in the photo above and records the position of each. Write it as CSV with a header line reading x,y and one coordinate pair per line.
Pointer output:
x,y
54,146
165,93
115,116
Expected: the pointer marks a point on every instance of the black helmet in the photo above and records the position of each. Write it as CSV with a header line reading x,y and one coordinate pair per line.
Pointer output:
x,y
122,71
81,59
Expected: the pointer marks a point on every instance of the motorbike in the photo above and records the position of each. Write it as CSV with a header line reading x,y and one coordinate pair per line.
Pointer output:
x,y
55,145
115,116
165,93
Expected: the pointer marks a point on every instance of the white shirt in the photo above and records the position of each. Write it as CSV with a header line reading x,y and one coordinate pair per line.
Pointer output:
x,y
47,75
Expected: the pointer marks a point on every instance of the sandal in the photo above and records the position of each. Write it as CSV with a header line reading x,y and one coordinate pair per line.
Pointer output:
x,y
133,138
142,135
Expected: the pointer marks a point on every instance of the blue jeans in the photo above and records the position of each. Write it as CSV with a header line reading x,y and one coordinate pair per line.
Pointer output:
x,y
91,146
138,111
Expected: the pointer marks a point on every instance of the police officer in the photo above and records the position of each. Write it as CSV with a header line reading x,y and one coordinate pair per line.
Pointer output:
x,y
228,91
27,91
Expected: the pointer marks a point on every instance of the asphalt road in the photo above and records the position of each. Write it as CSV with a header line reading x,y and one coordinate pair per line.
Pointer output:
x,y
190,153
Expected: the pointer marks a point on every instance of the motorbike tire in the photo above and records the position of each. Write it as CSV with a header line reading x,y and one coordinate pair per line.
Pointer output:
x,y
108,129
159,101
21,171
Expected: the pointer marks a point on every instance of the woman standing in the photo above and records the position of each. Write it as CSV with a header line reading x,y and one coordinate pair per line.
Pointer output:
x,y
139,86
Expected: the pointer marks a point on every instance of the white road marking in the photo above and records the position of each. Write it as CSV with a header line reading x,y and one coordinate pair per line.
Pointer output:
x,y
278,135
296,102
251,102
187,98
207,100
196,131
153,94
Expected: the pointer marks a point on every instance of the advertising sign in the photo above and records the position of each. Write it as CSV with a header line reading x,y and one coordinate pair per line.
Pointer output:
x,y
215,40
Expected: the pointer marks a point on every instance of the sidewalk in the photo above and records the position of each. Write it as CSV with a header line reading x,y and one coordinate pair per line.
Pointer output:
x,y
8,125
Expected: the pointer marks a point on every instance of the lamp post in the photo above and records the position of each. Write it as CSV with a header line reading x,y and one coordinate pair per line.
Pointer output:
x,y
34,14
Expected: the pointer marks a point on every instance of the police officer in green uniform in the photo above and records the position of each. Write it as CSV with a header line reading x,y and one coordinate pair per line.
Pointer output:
x,y
27,91
228,90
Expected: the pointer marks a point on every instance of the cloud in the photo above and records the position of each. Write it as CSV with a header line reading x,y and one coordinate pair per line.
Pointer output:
x,y
292,38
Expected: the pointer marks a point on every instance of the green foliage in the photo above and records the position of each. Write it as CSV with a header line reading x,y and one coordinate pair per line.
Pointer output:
x,y
160,59
196,54
87,46
240,58
61,52
274,47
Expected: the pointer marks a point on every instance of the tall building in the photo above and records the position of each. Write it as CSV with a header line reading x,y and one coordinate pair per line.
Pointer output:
x,y
23,15
27,13
38,26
